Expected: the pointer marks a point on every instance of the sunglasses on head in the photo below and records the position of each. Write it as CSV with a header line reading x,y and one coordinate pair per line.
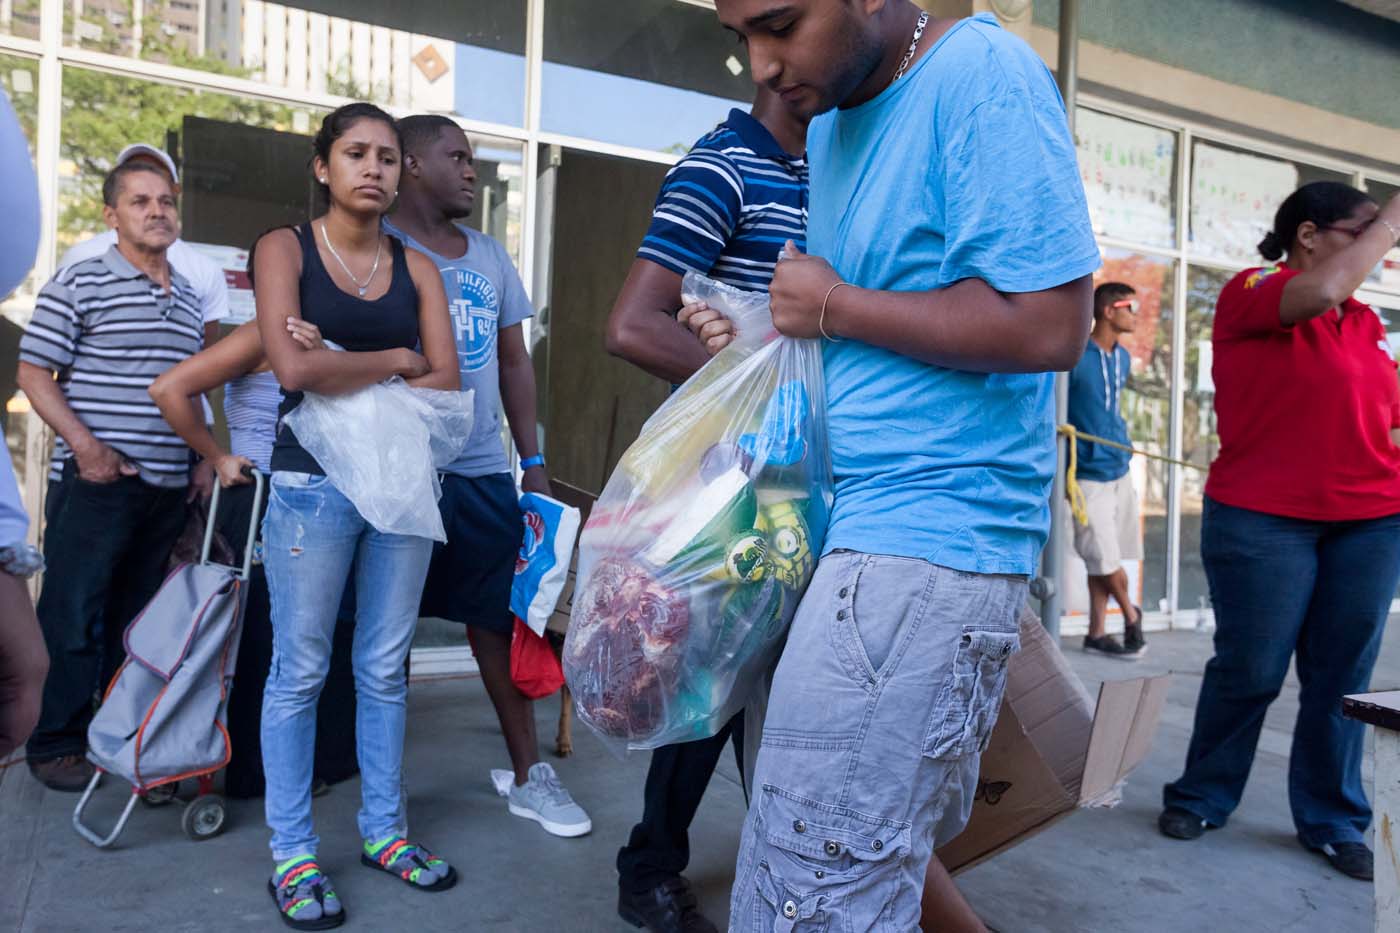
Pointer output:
x,y
1132,304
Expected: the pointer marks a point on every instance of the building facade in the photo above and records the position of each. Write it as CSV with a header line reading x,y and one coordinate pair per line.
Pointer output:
x,y
1195,119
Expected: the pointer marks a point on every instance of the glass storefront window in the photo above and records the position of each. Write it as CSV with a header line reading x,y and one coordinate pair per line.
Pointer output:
x,y
397,55
20,18
19,78
597,210
243,161
1200,440
1147,405
654,74
646,74
1387,272
243,164
1388,307
1234,196
1129,174
500,193
1380,190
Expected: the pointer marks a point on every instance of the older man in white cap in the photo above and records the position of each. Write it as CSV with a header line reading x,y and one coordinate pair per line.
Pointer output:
x,y
203,273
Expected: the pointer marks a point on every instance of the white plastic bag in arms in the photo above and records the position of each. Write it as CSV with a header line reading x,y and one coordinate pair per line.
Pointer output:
x,y
382,447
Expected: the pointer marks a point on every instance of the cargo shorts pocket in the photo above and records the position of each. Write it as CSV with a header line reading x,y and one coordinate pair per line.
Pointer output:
x,y
821,864
966,710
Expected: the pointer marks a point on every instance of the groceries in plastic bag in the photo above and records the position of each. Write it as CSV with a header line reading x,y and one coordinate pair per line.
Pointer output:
x,y
693,560
382,447
542,568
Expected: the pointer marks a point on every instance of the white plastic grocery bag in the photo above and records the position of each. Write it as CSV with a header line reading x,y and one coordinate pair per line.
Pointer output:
x,y
382,447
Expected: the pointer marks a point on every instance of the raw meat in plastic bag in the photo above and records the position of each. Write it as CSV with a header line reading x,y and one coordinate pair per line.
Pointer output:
x,y
694,558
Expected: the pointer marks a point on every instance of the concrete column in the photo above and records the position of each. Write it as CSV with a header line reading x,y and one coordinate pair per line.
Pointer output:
x,y
1053,558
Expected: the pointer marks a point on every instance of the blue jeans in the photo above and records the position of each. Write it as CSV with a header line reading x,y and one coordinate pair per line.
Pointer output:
x,y
1283,586
312,538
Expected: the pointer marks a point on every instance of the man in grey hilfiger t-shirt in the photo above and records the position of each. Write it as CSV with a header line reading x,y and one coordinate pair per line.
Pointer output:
x,y
106,328
469,580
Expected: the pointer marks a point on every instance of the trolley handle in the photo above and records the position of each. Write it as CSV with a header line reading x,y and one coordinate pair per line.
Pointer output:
x,y
259,490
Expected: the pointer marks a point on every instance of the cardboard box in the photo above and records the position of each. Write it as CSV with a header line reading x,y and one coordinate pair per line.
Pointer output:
x,y
1052,750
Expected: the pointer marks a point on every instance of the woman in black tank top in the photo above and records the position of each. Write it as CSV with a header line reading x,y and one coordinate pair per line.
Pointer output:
x,y
386,307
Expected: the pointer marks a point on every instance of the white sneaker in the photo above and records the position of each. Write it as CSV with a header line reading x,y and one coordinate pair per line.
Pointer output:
x,y
544,800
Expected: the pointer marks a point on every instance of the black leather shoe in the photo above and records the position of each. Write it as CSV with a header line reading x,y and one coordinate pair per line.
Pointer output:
x,y
667,908
1352,859
1181,824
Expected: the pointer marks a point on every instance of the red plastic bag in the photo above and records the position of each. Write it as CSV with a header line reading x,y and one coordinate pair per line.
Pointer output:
x,y
533,667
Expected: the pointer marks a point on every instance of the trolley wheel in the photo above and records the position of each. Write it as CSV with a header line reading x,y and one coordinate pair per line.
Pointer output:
x,y
204,817
162,795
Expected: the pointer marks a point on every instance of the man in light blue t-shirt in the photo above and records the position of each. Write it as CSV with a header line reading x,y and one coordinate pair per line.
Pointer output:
x,y
470,577
948,277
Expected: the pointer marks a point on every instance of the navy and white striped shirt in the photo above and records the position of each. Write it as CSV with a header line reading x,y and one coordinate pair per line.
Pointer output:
x,y
727,207
109,331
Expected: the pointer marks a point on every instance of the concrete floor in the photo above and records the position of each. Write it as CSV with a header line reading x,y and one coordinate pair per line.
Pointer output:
x,y
1104,870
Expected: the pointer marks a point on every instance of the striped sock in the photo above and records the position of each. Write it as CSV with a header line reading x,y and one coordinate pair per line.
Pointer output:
x,y
412,863
303,892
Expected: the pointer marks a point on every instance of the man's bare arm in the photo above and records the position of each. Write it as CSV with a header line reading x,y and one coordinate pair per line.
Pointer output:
x,y
643,330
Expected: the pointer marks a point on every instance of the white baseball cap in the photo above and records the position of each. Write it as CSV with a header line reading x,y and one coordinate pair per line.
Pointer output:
x,y
136,149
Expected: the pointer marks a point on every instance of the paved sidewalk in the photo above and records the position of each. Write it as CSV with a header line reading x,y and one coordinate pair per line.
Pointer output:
x,y
1104,870
1111,871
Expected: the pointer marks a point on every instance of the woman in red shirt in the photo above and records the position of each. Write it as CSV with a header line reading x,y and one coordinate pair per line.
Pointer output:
x,y
1301,530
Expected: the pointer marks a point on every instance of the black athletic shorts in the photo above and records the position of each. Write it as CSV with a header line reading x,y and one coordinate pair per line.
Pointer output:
x,y
470,577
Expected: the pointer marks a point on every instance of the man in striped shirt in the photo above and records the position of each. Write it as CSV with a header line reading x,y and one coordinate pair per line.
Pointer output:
x,y
725,210
106,328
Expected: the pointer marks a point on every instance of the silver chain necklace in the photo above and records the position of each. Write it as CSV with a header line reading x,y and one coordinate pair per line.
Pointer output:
x,y
913,46
378,251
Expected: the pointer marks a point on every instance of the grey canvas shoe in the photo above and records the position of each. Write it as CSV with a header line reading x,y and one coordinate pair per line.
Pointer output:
x,y
544,800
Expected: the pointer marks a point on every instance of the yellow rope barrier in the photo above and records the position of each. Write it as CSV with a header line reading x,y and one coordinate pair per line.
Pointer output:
x,y
1077,503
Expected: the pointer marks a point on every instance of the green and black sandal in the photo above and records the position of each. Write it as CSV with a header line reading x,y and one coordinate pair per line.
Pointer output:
x,y
304,897
414,865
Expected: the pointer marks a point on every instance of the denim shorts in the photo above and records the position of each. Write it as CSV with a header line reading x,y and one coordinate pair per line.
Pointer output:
x,y
885,696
